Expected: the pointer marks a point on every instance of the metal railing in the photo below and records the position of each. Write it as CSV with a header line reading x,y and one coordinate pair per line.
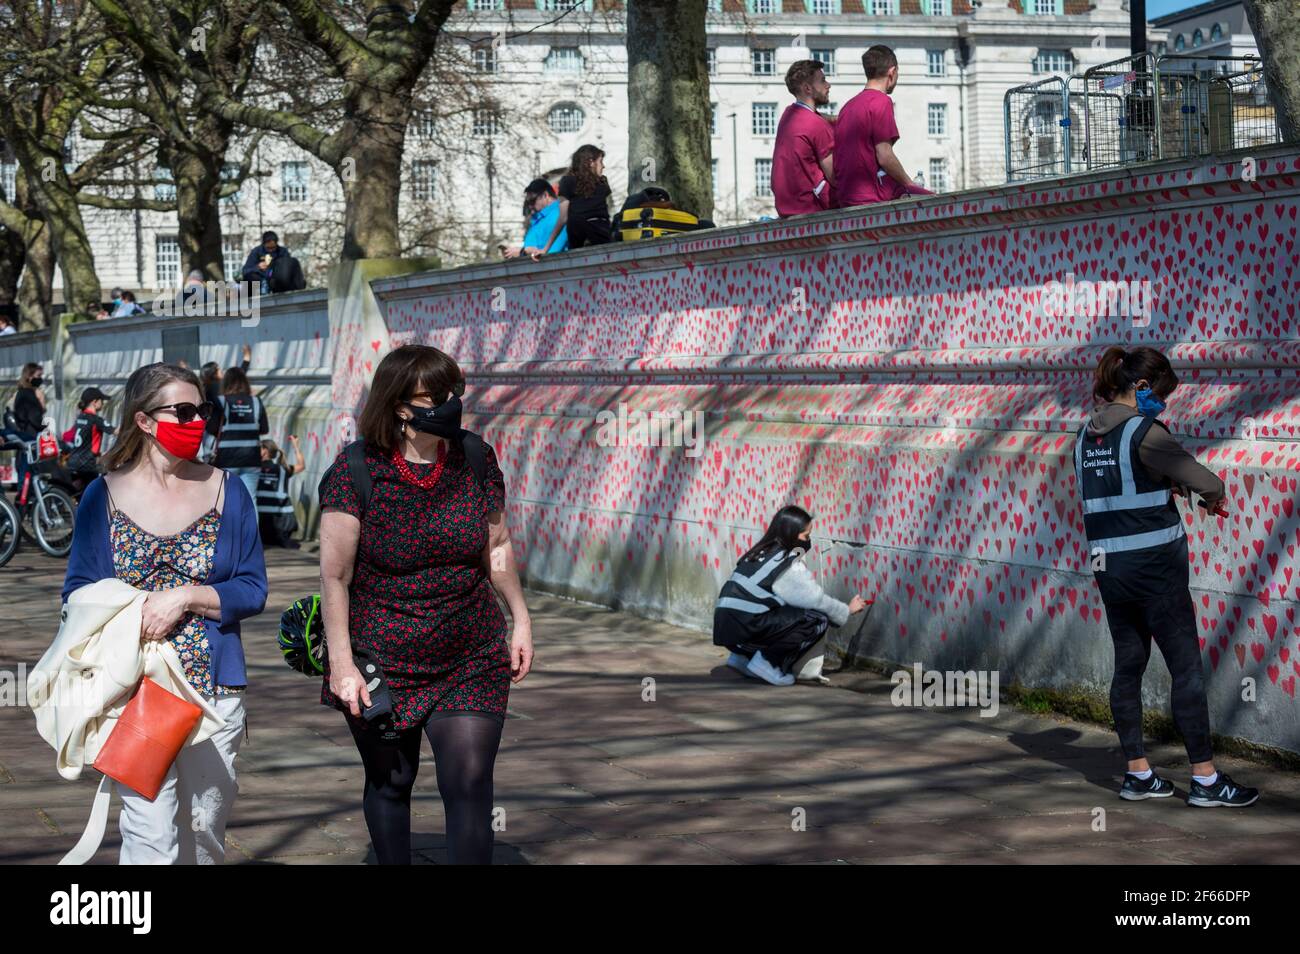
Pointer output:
x,y
1136,109
1037,118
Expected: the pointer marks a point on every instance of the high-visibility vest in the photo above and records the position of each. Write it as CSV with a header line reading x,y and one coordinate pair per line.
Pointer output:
x,y
747,594
1135,532
273,489
239,443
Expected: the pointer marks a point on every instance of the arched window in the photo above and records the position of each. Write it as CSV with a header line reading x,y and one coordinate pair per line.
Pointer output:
x,y
566,118
1197,38
1216,33
1180,43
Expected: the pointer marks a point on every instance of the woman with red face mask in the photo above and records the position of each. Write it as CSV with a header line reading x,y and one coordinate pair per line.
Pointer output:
x,y
186,533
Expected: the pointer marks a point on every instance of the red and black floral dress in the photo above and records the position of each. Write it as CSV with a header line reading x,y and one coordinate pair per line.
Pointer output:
x,y
421,602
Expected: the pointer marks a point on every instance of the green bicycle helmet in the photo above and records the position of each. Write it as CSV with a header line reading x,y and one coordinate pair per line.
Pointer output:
x,y
302,636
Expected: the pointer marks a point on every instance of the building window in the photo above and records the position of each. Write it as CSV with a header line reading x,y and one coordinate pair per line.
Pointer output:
x,y
715,6
715,179
1054,61
484,59
566,118
232,256
1180,43
487,4
764,62
936,63
1044,8
763,7
936,8
938,175
1216,33
762,177
823,8
167,261
711,60
936,119
826,58
164,189
487,122
764,119
423,124
550,6
563,59
713,119
830,109
293,182
424,178
1197,38
883,8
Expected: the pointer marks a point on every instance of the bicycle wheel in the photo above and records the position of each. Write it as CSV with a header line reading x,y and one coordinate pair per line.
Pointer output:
x,y
52,519
10,529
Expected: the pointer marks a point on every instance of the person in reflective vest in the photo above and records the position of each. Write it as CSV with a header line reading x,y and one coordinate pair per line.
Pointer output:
x,y
275,514
1129,468
242,423
771,613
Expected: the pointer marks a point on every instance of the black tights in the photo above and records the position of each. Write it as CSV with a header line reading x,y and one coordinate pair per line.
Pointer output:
x,y
1169,619
464,750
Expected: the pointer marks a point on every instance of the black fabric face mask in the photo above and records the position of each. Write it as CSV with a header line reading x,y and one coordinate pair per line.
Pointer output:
x,y
441,421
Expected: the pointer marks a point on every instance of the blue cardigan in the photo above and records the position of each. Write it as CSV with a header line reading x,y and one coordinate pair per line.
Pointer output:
x,y
238,569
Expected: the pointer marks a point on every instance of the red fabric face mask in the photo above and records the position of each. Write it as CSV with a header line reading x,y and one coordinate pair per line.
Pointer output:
x,y
181,440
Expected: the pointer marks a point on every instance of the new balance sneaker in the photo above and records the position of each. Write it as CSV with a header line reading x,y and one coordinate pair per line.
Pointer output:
x,y
762,669
1135,789
1224,792
739,663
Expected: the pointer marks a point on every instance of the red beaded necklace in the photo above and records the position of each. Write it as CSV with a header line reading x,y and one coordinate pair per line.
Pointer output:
x,y
408,475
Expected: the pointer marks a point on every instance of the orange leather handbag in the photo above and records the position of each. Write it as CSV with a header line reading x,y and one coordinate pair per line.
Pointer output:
x,y
148,736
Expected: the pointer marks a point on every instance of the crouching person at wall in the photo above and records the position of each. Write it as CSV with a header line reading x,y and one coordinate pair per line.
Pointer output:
x,y
771,612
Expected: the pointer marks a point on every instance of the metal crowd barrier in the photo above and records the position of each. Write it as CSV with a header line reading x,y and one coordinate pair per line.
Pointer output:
x,y
1136,109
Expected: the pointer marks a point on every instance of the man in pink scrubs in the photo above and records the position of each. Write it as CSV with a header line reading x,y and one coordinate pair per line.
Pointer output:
x,y
801,159
866,169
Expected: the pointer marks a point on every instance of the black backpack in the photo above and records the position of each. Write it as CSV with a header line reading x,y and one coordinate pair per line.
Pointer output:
x,y
362,485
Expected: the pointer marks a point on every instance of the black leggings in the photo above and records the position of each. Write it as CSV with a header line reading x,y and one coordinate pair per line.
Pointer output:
x,y
1170,619
787,633
464,750
584,232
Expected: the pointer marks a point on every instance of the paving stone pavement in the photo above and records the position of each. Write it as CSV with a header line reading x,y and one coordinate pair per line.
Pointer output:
x,y
715,769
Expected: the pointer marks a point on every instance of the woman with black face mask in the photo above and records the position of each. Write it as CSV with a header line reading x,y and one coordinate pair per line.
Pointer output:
x,y
413,541
28,412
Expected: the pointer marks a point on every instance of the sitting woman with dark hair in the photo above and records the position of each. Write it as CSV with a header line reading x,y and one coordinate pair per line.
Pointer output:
x,y
772,614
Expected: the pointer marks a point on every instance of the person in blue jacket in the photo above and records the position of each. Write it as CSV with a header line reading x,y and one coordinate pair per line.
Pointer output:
x,y
541,210
186,533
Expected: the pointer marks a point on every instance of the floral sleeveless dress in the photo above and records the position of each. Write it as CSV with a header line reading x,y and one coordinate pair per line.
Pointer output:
x,y
151,562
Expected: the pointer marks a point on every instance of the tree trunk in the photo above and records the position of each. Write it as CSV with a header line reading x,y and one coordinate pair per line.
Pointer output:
x,y
36,289
668,102
198,212
1277,32
72,251
12,252
371,175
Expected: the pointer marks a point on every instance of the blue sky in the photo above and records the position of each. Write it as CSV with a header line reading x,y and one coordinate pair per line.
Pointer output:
x,y
1158,8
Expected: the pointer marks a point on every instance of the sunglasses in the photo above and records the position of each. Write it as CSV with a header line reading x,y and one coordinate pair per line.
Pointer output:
x,y
185,411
